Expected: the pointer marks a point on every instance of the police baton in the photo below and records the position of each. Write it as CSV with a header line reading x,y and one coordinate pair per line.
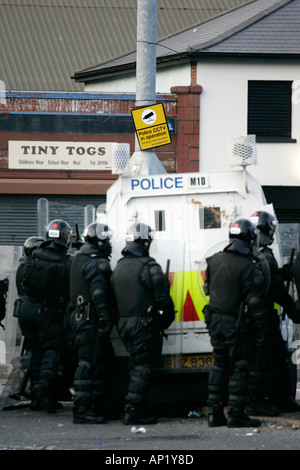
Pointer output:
x,y
167,269
239,324
77,243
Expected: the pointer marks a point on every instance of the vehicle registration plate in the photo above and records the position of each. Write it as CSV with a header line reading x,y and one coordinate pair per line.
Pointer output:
x,y
189,361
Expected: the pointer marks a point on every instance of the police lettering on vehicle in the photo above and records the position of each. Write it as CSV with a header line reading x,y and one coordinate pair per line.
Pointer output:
x,y
161,183
169,182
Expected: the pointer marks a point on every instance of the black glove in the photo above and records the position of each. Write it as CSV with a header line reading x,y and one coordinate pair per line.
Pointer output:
x,y
294,313
105,322
286,273
77,244
167,316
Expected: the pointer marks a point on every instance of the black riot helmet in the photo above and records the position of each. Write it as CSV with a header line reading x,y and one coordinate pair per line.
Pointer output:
x,y
243,229
99,234
60,231
266,224
31,243
140,233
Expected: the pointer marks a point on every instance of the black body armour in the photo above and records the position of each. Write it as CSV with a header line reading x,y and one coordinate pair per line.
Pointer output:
x,y
78,284
226,270
133,298
43,273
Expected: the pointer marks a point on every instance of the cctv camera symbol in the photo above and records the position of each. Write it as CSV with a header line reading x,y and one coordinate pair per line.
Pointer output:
x,y
149,116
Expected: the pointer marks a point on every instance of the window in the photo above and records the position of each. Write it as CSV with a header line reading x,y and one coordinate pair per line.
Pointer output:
x,y
160,225
210,217
270,110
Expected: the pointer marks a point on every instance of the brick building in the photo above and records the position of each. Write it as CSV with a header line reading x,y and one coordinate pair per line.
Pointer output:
x,y
30,120
43,103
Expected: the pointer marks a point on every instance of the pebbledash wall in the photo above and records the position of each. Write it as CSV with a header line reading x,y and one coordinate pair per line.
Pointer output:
x,y
83,121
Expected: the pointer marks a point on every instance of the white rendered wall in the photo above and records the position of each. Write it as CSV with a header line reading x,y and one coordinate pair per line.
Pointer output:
x,y
223,113
165,79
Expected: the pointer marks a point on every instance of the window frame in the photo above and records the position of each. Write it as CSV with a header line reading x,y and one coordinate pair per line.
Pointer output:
x,y
207,219
160,220
268,118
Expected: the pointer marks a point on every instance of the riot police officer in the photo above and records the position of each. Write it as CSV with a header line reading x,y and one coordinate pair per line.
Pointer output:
x,y
142,291
277,378
34,367
92,321
45,281
235,316
29,245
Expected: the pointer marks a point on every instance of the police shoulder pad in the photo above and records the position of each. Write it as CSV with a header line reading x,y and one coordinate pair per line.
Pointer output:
x,y
104,265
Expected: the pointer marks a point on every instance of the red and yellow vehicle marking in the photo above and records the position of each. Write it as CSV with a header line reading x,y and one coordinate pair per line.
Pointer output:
x,y
188,295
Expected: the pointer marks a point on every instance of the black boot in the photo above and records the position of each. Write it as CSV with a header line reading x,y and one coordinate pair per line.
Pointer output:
x,y
138,413
82,416
261,407
35,405
99,406
216,416
237,418
42,394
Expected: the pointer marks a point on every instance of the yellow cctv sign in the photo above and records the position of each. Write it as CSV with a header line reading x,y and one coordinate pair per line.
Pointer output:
x,y
151,126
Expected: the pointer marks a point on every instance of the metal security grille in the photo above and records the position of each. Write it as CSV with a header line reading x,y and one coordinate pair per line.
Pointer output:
x,y
270,108
19,214
286,202
18,219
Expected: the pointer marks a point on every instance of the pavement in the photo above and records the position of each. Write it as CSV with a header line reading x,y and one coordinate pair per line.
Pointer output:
x,y
291,419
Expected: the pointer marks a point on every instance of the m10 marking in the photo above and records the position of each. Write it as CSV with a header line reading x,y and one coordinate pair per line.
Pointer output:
x,y
198,181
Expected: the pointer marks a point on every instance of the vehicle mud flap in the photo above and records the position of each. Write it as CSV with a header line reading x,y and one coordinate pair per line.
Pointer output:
x,y
296,273
14,394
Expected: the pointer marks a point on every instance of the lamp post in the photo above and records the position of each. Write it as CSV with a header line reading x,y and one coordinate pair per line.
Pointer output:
x,y
146,162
